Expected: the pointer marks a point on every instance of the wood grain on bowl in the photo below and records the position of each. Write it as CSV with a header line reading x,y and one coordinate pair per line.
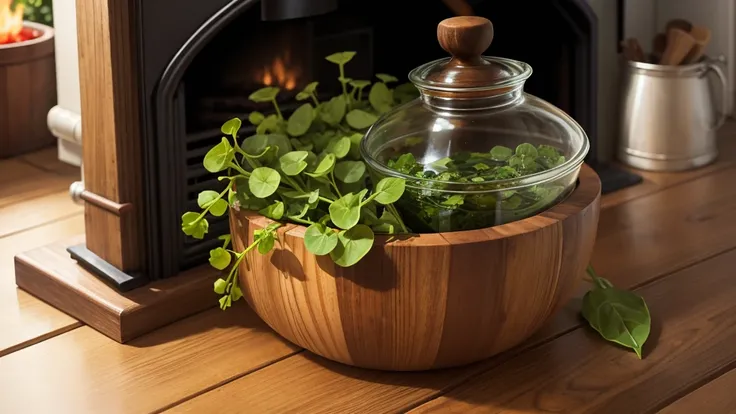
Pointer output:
x,y
423,301
27,92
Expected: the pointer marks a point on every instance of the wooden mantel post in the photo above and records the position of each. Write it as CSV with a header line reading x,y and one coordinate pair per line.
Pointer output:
x,y
111,127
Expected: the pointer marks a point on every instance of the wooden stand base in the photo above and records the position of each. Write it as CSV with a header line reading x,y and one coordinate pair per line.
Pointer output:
x,y
50,274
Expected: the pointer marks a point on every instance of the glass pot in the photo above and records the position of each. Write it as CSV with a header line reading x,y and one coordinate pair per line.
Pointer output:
x,y
475,149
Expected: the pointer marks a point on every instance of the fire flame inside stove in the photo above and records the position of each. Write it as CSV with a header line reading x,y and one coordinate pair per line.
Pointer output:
x,y
280,73
11,23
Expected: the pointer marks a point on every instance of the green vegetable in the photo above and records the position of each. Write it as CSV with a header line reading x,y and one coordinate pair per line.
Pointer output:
x,y
428,207
303,168
619,316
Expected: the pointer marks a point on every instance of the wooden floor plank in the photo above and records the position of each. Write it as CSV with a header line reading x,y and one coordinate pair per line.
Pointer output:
x,y
48,160
694,330
657,181
20,182
715,397
25,320
35,209
83,371
638,241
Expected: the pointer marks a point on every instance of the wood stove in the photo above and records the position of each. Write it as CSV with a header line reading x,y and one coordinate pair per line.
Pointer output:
x,y
156,84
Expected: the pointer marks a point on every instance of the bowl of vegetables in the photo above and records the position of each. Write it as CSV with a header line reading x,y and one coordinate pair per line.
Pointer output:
x,y
406,227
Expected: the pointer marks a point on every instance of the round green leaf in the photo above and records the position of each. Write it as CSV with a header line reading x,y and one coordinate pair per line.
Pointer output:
x,y
501,153
263,182
359,84
236,293
389,190
333,110
349,171
281,141
340,147
255,145
358,119
231,127
269,124
340,58
188,218
293,163
548,151
355,145
274,211
526,150
311,87
405,92
220,286
219,157
345,211
194,226
266,94
380,97
386,78
207,197
218,208
319,239
266,243
256,117
352,245
219,259
324,166
300,120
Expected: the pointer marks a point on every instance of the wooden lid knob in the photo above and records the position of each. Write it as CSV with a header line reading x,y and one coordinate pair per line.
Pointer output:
x,y
468,72
465,37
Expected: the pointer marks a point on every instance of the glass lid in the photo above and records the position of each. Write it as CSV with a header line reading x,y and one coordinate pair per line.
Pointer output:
x,y
475,146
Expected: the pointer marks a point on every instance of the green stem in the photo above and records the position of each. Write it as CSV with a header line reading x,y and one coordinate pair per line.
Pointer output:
x,y
240,256
239,169
334,184
222,194
344,88
396,214
598,281
302,221
326,200
292,183
314,98
299,180
360,94
278,111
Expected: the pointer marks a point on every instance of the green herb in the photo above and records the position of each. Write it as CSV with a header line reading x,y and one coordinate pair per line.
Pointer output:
x,y
430,207
304,168
619,316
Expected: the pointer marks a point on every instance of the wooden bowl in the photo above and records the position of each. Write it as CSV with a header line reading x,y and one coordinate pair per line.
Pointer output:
x,y
426,301
28,92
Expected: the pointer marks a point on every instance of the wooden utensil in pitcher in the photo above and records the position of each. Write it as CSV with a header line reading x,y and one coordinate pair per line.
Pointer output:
x,y
702,36
679,44
659,44
633,50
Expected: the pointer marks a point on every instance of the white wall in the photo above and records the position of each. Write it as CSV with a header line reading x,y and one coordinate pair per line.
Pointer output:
x,y
67,76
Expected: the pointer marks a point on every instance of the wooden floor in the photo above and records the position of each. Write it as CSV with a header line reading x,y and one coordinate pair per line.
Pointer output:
x,y
672,238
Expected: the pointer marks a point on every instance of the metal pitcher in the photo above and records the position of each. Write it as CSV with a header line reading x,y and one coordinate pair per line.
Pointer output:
x,y
668,118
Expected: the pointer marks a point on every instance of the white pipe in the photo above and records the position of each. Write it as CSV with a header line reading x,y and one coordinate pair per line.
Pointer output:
x,y
65,124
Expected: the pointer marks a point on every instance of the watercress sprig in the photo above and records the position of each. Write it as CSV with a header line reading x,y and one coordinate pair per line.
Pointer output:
x,y
304,168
